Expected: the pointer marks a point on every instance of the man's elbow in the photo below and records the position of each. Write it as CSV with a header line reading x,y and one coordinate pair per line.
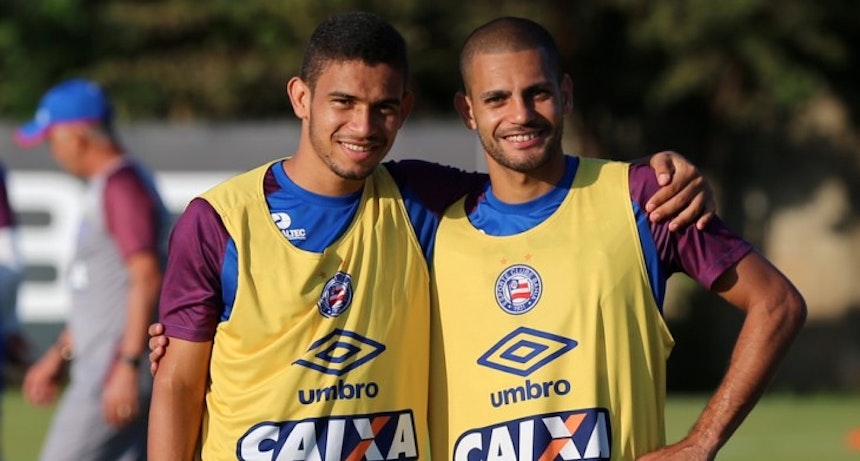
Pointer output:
x,y
785,310
165,382
794,311
183,370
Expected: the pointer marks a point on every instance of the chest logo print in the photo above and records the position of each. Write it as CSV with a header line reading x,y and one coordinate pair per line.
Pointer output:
x,y
525,350
336,295
518,289
340,351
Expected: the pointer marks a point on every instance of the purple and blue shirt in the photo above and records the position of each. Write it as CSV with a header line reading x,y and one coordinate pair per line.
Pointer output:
x,y
200,280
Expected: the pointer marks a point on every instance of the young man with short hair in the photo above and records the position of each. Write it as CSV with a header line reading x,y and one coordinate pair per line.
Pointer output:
x,y
547,336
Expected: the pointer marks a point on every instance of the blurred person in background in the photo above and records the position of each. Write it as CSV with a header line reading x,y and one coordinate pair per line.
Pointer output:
x,y
114,279
13,345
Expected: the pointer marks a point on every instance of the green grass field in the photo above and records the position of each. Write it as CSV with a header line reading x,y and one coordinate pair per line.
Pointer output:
x,y
782,428
23,427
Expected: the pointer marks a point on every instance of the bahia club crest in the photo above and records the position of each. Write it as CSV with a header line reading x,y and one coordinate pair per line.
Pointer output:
x,y
518,289
336,295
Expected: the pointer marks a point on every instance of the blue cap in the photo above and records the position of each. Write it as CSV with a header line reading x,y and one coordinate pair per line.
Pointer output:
x,y
72,101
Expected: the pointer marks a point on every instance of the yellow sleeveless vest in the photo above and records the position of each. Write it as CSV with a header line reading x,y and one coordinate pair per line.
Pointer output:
x,y
548,345
324,356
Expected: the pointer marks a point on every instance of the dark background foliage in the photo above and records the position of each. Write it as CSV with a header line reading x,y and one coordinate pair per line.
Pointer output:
x,y
761,94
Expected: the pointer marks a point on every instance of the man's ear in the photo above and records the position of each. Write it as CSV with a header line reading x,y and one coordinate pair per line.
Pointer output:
x,y
82,137
74,136
567,94
406,105
464,107
300,97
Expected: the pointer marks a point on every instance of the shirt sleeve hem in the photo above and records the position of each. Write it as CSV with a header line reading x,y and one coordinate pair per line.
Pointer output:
x,y
188,334
723,264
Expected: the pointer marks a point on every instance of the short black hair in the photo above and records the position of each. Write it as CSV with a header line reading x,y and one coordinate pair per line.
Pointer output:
x,y
510,34
353,36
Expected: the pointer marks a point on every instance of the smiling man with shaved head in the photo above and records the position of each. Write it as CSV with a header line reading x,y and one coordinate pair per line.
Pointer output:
x,y
548,337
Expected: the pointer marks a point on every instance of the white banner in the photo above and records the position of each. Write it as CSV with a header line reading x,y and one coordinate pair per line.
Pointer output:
x,y
54,200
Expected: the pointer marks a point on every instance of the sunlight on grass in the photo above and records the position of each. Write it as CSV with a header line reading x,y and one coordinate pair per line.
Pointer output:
x,y
782,427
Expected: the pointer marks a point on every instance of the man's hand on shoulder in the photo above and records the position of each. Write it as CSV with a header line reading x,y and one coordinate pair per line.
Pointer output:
x,y
684,192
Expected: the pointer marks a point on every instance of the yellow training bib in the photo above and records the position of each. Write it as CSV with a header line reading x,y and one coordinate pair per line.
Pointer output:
x,y
324,356
548,345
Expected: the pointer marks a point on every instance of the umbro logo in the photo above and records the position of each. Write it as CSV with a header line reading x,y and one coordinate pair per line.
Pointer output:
x,y
339,352
525,350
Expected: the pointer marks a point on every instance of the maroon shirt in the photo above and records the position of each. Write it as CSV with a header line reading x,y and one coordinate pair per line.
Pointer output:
x,y
703,255
133,215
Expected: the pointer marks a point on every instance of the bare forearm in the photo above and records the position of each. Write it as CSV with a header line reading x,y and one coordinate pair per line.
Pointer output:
x,y
766,335
175,418
178,401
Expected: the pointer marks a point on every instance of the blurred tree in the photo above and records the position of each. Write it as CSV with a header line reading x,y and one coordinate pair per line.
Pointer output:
x,y
749,64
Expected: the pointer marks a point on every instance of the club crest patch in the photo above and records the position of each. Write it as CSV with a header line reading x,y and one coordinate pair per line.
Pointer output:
x,y
518,289
336,295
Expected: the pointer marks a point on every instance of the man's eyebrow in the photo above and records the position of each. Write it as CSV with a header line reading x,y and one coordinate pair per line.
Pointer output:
x,y
341,95
388,102
494,94
540,86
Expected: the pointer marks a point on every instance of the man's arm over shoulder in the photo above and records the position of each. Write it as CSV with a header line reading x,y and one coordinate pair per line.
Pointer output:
x,y
684,196
428,189
435,186
703,254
